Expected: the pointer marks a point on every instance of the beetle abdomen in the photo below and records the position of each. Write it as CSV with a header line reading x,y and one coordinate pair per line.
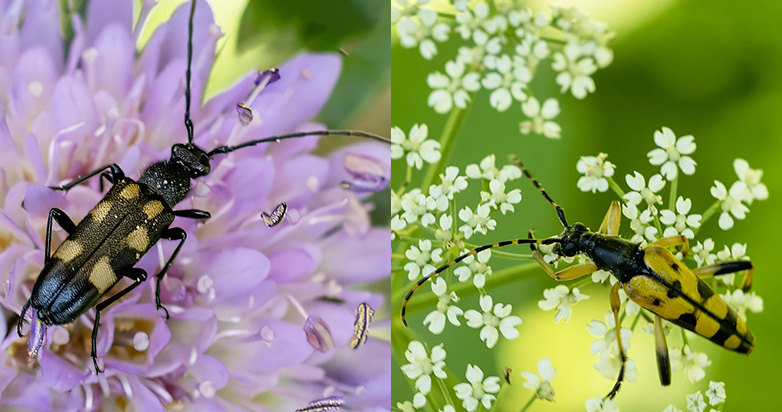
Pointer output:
x,y
111,239
674,293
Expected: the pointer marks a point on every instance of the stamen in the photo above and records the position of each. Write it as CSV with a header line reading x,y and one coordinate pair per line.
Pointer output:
x,y
276,215
368,174
320,405
37,335
318,334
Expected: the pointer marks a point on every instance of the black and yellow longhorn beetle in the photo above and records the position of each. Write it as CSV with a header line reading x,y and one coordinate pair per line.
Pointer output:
x,y
651,276
123,226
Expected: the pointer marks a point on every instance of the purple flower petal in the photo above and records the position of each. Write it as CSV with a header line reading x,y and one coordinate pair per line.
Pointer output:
x,y
111,68
42,28
105,13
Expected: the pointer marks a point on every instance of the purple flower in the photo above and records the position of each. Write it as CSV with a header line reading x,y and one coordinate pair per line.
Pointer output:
x,y
240,292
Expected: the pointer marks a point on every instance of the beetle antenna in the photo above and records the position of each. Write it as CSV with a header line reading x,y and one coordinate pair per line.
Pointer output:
x,y
188,122
560,212
228,149
465,256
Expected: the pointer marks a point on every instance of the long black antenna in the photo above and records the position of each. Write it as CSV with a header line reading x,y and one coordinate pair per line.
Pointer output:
x,y
227,149
560,212
188,122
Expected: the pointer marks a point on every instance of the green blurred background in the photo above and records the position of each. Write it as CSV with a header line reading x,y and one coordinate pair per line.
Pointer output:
x,y
712,69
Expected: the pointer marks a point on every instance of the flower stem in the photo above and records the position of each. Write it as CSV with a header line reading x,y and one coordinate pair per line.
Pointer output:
x,y
615,187
529,402
674,188
710,212
408,176
452,127
444,388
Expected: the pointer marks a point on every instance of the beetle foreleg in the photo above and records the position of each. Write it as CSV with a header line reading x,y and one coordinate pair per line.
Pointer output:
x,y
64,221
661,348
569,273
612,219
113,169
20,322
726,268
672,241
173,233
138,276
615,307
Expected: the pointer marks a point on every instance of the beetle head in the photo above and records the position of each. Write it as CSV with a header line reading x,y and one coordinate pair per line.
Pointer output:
x,y
570,241
192,158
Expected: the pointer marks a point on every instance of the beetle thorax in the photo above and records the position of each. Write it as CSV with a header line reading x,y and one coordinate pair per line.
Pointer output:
x,y
167,179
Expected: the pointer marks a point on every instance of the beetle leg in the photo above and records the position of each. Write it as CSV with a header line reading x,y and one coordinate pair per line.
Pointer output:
x,y
113,169
661,348
193,214
615,306
726,268
568,273
20,321
173,233
674,241
138,276
612,219
64,221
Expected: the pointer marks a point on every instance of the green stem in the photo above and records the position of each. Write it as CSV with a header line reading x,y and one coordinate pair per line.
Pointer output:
x,y
674,188
529,402
553,40
684,338
709,213
615,187
452,127
635,321
446,393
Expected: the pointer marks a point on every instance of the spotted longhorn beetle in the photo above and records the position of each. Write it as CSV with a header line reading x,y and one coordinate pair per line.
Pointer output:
x,y
650,276
131,218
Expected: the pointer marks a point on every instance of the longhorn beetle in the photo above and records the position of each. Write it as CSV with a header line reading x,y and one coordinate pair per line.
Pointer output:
x,y
123,226
651,276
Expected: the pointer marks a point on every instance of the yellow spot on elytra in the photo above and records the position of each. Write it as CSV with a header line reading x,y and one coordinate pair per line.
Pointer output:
x,y
68,250
741,327
717,306
706,326
100,211
102,275
138,239
732,342
130,191
153,208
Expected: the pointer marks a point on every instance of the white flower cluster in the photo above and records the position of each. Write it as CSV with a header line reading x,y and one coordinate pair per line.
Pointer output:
x,y
741,194
696,403
503,45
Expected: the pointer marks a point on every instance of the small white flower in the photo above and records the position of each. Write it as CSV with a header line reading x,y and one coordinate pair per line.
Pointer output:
x,y
692,363
477,269
702,253
672,408
488,171
417,146
751,179
595,170
716,393
478,390
470,20
421,31
498,199
642,224
452,89
575,69
541,118
680,223
420,257
730,202
436,201
695,402
742,301
414,205
443,233
599,405
541,384
419,400
561,298
737,251
452,182
405,406
493,318
508,82
421,366
672,152
641,192
436,318
448,408
606,347
479,222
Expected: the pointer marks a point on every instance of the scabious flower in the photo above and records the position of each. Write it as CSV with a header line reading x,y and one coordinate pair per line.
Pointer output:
x,y
478,390
493,317
595,170
672,153
541,383
239,292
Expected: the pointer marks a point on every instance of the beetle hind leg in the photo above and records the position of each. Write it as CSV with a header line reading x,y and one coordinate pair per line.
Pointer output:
x,y
727,268
615,306
138,276
661,350
174,233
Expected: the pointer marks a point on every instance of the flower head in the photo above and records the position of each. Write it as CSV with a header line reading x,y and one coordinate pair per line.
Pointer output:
x,y
541,118
493,317
679,222
421,366
445,308
673,154
730,202
452,88
541,383
561,298
416,145
751,179
420,256
691,362
595,170
477,390
716,393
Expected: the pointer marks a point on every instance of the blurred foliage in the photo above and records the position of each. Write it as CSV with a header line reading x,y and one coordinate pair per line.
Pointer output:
x,y
710,69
